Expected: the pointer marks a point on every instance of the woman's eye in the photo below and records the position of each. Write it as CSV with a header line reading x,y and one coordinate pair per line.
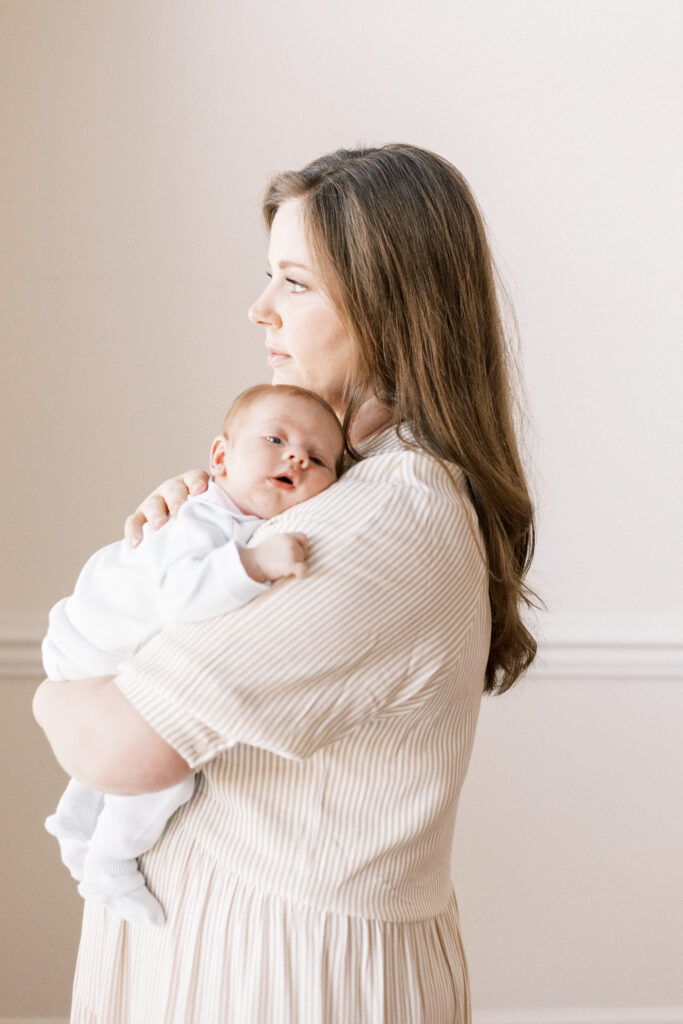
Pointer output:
x,y
272,439
296,286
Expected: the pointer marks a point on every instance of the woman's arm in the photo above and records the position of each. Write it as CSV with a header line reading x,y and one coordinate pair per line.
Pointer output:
x,y
100,739
396,582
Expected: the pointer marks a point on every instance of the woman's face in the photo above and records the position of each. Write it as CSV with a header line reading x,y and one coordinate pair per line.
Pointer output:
x,y
306,342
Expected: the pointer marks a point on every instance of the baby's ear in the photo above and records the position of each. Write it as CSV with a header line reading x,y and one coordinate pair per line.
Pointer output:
x,y
219,456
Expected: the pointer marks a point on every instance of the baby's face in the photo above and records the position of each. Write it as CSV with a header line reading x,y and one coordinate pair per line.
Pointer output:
x,y
282,450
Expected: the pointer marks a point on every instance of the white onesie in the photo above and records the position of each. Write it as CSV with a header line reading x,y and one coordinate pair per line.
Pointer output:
x,y
187,571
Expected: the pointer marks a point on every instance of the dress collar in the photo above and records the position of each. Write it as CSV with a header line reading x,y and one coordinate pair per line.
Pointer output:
x,y
386,440
215,495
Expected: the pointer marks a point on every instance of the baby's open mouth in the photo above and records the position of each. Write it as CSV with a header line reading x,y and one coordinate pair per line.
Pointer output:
x,y
283,480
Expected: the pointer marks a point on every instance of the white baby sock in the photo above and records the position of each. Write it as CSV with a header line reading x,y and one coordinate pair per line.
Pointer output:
x,y
120,886
73,823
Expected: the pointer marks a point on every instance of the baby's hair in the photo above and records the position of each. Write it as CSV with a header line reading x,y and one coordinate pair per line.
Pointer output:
x,y
253,394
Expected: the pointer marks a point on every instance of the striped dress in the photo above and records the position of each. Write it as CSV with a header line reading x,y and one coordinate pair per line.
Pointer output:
x,y
308,880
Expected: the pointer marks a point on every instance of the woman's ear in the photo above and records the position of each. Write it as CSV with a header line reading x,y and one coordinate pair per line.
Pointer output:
x,y
219,456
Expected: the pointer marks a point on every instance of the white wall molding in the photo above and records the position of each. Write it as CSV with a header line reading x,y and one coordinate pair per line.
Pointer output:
x,y
20,652
34,1020
591,658
638,649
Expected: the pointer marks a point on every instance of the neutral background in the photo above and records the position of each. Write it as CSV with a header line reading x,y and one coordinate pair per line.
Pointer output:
x,y
137,136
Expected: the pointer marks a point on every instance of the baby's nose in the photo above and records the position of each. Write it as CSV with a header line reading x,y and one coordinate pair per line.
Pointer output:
x,y
298,456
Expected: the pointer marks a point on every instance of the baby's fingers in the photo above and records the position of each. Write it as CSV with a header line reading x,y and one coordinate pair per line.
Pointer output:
x,y
302,540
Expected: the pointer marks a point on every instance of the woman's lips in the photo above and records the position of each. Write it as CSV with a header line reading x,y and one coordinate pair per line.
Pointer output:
x,y
276,358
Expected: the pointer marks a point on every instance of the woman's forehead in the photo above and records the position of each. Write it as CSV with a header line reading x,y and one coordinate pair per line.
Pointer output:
x,y
288,242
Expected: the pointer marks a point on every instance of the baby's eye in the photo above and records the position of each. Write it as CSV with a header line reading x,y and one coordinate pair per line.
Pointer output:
x,y
317,461
273,439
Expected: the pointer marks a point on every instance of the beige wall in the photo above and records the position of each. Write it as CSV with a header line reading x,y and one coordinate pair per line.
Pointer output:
x,y
139,136
40,908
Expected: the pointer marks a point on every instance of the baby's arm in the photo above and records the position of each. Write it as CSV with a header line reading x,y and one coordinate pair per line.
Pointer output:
x,y
204,573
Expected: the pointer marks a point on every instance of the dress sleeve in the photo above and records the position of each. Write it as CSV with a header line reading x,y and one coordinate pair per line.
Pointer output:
x,y
395,576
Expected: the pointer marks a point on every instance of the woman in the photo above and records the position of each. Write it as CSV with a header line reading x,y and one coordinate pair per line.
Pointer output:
x,y
308,880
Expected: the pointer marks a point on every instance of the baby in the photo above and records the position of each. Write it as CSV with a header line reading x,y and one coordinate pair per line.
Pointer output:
x,y
280,445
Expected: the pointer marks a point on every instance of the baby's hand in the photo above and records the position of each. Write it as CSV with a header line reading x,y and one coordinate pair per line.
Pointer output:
x,y
282,555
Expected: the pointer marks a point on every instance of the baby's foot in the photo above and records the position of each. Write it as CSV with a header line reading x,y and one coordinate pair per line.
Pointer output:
x,y
127,896
73,845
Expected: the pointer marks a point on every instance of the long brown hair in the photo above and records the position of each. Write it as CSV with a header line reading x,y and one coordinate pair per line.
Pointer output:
x,y
402,249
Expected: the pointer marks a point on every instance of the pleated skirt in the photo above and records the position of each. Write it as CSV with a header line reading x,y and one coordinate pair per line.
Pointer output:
x,y
231,953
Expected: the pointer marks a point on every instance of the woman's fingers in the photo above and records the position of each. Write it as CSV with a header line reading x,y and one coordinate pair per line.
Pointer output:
x,y
167,498
164,501
153,510
156,508
196,481
132,529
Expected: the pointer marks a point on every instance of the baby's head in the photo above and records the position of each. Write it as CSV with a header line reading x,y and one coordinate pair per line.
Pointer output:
x,y
280,445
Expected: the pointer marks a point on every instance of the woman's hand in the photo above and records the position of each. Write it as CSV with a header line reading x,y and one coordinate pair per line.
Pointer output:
x,y
164,501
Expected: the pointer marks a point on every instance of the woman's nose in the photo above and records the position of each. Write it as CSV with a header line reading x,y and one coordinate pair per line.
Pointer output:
x,y
263,313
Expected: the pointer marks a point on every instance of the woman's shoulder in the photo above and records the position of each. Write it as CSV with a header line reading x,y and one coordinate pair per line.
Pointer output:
x,y
396,495
394,459
408,486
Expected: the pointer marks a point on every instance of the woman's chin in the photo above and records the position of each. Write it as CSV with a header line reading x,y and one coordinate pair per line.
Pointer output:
x,y
282,376
287,374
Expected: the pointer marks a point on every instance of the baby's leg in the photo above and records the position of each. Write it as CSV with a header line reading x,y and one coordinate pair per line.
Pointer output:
x,y
127,826
74,822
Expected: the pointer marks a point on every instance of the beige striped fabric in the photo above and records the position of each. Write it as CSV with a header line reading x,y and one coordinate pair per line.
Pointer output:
x,y
308,881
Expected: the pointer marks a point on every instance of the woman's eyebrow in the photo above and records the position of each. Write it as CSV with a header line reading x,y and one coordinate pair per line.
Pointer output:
x,y
284,264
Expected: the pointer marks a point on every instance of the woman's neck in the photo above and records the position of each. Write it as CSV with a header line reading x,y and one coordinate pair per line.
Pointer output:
x,y
372,416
